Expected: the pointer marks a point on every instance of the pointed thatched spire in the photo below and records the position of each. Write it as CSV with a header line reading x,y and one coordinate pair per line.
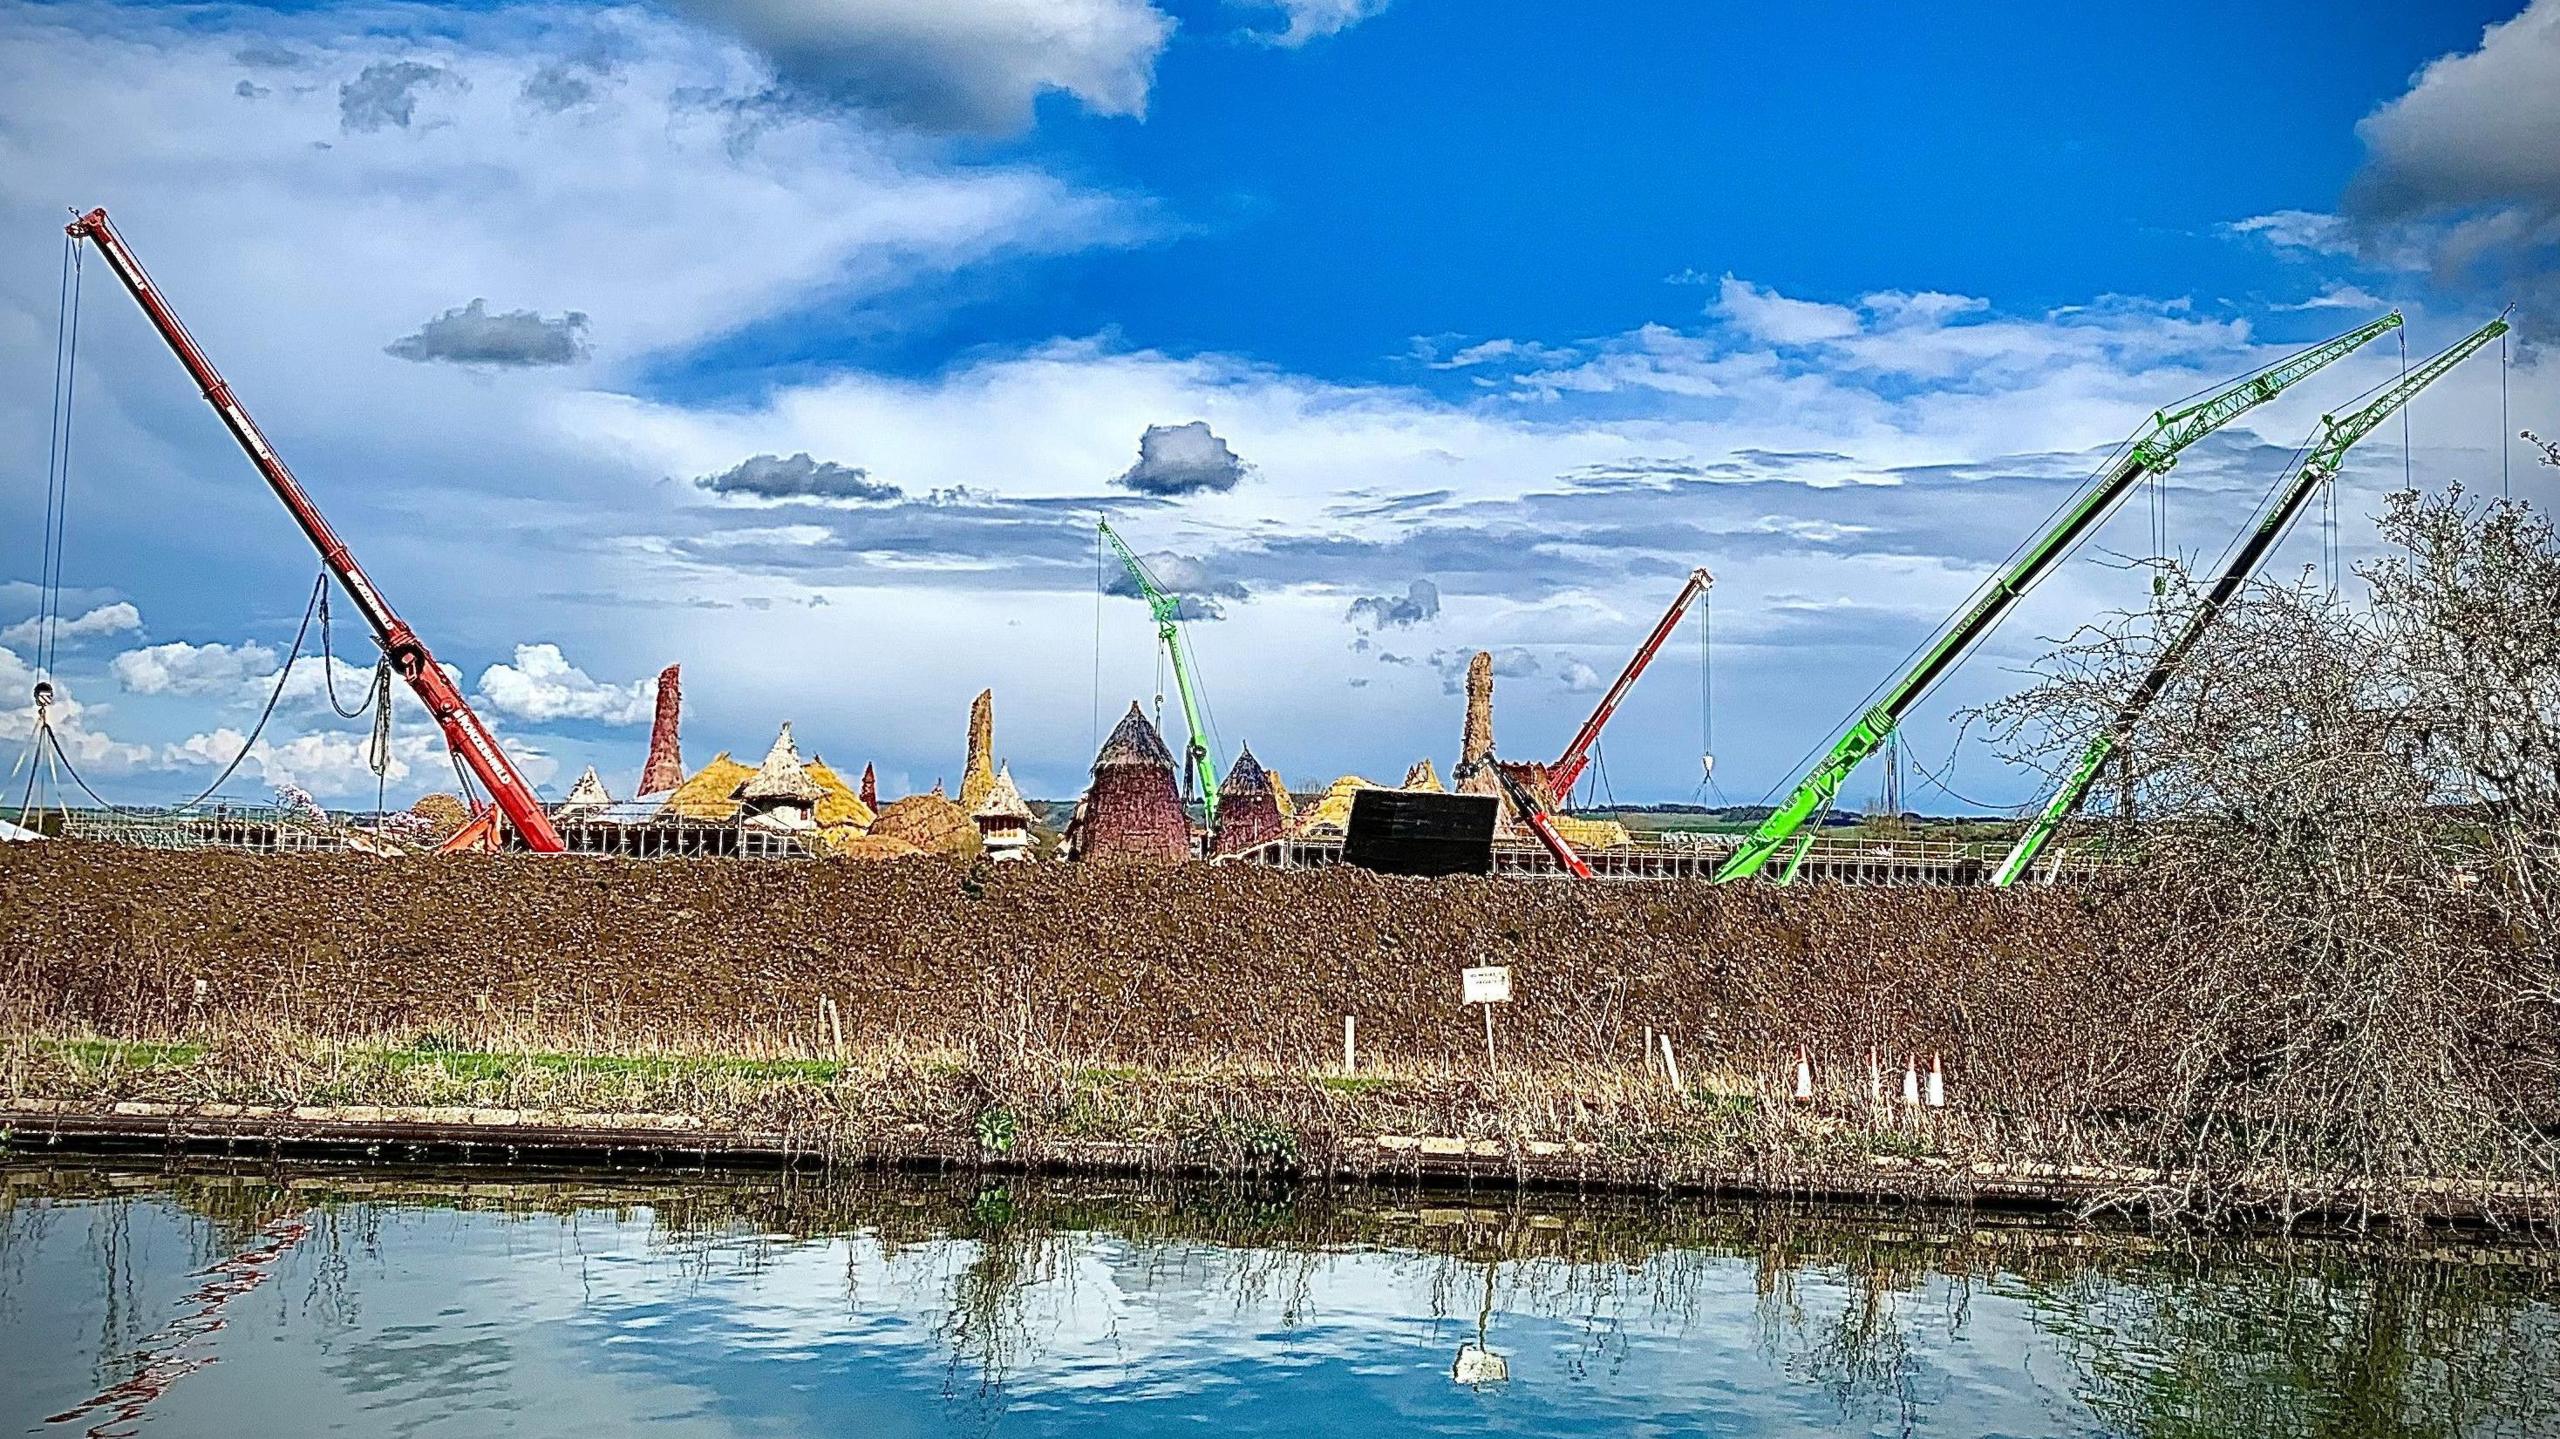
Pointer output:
x,y
978,775
1003,800
1134,741
1423,777
782,776
587,794
870,788
665,769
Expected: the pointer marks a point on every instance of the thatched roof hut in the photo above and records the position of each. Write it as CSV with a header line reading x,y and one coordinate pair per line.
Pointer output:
x,y
1248,810
1132,812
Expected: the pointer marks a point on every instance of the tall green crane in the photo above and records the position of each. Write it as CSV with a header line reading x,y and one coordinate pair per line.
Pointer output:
x,y
2170,432
1197,763
2318,466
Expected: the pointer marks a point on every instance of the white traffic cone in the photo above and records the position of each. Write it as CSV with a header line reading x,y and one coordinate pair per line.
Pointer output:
x,y
1911,1080
1937,1084
1804,1075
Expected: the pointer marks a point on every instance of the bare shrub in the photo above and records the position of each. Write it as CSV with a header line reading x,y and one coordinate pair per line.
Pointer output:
x,y
2347,809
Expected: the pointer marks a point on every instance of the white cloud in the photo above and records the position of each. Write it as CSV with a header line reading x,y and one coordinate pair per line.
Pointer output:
x,y
188,669
2475,129
1314,19
118,618
1764,314
975,66
1578,678
93,752
2460,179
2308,231
542,686
329,765
2341,296
1925,307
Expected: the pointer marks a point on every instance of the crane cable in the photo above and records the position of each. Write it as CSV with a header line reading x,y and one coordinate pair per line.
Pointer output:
x,y
57,476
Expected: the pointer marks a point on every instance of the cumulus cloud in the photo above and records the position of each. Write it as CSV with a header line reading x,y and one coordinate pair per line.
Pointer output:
x,y
179,668
1307,20
1186,577
798,477
1764,314
1924,307
2460,177
1182,460
385,94
1577,677
118,618
976,67
75,724
562,85
1419,602
515,339
542,686
330,765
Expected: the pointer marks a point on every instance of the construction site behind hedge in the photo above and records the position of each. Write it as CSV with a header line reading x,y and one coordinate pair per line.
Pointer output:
x,y
1466,974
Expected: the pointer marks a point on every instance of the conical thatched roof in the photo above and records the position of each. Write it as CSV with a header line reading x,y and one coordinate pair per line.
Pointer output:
x,y
1246,779
709,793
1134,742
782,776
587,794
839,806
1003,799
1280,795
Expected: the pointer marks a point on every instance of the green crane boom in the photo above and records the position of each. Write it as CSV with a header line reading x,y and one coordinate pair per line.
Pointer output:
x,y
2319,465
2171,431
1197,763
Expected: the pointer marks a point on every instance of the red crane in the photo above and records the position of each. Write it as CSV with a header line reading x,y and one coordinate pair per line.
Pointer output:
x,y
1533,813
464,731
1568,767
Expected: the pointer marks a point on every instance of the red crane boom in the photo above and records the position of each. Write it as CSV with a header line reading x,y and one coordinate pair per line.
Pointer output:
x,y
468,735
1568,767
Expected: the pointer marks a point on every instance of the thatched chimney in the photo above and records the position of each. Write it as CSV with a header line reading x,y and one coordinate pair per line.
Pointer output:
x,y
665,769
978,777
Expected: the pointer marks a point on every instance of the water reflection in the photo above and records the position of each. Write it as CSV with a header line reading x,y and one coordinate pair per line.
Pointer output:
x,y
302,1300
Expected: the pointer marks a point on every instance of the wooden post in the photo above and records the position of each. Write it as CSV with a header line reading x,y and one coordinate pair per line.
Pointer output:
x,y
1670,1064
1648,1046
1490,1066
1350,1046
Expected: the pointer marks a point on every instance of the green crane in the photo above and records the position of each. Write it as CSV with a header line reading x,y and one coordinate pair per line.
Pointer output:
x,y
2318,466
2154,453
1197,763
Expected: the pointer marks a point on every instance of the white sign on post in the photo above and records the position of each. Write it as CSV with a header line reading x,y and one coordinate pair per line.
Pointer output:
x,y
1488,984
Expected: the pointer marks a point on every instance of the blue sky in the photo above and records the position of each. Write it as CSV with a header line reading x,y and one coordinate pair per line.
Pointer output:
x,y
1530,306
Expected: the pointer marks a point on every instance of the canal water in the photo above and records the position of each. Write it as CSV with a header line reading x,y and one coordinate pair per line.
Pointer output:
x,y
258,1301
